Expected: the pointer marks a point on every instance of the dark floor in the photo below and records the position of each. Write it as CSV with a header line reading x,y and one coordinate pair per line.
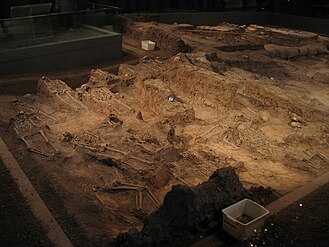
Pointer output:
x,y
18,227
303,224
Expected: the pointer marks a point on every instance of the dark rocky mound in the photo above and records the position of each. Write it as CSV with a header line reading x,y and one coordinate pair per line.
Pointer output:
x,y
188,212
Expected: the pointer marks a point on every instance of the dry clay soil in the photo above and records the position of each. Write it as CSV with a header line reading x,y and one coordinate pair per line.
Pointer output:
x,y
174,120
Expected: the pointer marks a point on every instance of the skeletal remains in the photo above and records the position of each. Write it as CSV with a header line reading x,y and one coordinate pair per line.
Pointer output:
x,y
119,186
37,151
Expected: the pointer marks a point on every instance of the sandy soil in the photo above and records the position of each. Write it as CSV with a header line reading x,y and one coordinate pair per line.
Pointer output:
x,y
175,119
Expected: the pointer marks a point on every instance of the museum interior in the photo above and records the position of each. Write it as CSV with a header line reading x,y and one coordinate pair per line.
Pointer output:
x,y
197,123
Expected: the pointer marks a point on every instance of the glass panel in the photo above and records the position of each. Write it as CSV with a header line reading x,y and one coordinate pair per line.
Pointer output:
x,y
41,29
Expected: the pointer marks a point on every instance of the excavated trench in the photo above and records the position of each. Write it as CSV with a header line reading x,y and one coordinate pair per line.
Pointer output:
x,y
159,148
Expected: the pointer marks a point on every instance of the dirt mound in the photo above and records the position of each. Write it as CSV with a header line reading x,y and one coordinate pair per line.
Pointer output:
x,y
287,52
188,212
164,39
155,93
283,36
263,195
261,64
59,93
223,27
262,97
322,77
102,78
200,83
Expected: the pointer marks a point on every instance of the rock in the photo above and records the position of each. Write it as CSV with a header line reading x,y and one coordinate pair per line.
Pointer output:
x,y
67,137
177,59
28,95
264,118
139,116
295,124
295,119
14,100
114,120
171,136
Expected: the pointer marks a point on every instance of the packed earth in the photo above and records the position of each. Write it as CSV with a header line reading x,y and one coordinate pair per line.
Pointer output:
x,y
214,115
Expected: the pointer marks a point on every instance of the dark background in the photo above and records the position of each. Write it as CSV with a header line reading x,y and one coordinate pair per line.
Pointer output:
x,y
311,8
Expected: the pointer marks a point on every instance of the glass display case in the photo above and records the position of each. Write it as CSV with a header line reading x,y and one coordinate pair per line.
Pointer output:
x,y
59,41
34,30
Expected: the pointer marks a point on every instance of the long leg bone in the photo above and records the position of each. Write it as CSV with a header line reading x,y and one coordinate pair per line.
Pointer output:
x,y
33,123
121,188
153,198
123,104
26,143
128,156
133,185
44,136
140,199
33,150
116,150
178,178
45,114
137,200
16,131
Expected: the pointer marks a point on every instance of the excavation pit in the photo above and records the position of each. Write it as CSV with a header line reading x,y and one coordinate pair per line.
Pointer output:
x,y
113,149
